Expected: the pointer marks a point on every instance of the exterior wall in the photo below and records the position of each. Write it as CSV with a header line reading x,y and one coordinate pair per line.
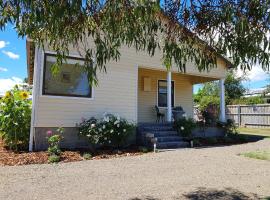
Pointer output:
x,y
116,93
183,90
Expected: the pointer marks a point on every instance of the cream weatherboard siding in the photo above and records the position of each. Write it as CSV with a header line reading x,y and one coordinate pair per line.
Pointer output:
x,y
116,93
118,90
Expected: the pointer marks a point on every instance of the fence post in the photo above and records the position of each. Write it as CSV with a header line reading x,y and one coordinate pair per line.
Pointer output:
x,y
239,115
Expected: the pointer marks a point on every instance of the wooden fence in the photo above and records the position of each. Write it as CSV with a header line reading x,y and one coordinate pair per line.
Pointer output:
x,y
256,116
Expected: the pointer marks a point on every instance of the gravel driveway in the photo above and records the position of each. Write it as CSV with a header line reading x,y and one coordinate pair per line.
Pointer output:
x,y
209,173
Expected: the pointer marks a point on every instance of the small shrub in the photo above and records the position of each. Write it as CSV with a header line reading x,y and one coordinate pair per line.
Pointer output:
x,y
196,142
87,156
54,158
111,130
211,140
143,149
229,126
185,126
54,144
15,118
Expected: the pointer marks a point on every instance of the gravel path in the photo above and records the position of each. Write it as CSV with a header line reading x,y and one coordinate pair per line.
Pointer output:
x,y
209,173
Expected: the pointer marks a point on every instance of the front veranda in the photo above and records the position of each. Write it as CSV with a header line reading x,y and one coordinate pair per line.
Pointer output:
x,y
152,91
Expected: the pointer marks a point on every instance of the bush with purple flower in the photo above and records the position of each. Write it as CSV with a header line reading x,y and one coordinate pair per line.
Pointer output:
x,y
54,140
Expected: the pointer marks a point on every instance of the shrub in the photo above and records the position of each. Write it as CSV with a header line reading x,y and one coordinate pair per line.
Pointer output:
x,y
54,158
143,149
87,156
111,130
15,118
248,100
229,126
54,142
185,126
211,140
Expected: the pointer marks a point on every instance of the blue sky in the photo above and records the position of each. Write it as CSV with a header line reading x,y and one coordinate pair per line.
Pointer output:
x,y
13,68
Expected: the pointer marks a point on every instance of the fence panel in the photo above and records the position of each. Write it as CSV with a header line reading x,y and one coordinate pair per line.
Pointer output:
x,y
256,116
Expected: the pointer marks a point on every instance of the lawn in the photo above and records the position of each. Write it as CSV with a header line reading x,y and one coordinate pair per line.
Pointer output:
x,y
255,131
261,155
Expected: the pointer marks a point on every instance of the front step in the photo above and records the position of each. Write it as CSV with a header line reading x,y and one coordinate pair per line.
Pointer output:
x,y
172,145
169,139
163,134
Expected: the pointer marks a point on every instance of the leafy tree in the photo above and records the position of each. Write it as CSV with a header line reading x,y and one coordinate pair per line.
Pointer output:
x,y
209,93
235,28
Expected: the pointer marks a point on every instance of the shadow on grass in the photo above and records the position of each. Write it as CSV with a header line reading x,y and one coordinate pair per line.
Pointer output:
x,y
211,194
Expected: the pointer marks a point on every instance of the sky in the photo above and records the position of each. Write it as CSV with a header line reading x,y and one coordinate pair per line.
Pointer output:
x,y
13,67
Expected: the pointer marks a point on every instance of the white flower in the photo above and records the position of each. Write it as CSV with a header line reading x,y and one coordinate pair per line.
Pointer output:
x,y
182,128
93,125
88,135
111,131
118,125
116,122
105,138
124,130
103,126
109,141
118,117
99,129
106,119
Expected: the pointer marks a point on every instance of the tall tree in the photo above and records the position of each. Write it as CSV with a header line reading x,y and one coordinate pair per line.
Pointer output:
x,y
236,28
209,93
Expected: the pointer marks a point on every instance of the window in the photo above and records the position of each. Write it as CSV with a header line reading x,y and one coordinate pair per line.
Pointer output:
x,y
162,93
71,80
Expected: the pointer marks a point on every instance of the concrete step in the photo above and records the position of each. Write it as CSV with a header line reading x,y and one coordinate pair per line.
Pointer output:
x,y
158,128
164,133
172,145
169,139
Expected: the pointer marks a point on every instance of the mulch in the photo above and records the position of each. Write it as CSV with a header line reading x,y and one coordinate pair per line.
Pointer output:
x,y
11,158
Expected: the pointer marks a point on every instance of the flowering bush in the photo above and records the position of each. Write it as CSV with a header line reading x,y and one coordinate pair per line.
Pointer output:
x,y
184,126
15,118
53,142
111,130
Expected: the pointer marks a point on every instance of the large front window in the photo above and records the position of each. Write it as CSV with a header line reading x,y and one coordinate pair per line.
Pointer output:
x,y
70,80
162,93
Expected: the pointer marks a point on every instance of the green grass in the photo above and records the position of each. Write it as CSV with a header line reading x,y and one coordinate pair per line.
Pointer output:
x,y
261,155
255,131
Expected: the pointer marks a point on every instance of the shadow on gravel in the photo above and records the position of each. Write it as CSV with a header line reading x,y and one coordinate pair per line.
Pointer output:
x,y
211,194
226,194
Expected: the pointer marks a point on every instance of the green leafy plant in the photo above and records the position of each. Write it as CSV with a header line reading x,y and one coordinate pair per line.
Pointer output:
x,y
185,126
54,144
54,158
143,149
111,130
15,118
87,156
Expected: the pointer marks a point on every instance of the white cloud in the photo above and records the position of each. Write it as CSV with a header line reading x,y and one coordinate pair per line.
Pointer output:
x,y
9,83
3,44
255,74
2,69
11,54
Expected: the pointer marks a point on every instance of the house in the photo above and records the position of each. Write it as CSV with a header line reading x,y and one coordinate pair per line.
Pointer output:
x,y
259,92
131,88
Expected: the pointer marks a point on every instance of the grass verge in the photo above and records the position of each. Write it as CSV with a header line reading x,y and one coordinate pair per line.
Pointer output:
x,y
255,131
261,155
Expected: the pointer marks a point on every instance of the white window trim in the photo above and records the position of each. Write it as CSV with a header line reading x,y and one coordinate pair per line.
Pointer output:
x,y
56,96
173,93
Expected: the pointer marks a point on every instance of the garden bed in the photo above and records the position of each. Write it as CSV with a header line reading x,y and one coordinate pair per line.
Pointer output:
x,y
11,158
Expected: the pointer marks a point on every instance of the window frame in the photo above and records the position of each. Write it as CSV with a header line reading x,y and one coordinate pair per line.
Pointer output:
x,y
173,98
58,95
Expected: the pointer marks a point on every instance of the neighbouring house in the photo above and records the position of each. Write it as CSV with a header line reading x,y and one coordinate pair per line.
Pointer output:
x,y
131,88
259,92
